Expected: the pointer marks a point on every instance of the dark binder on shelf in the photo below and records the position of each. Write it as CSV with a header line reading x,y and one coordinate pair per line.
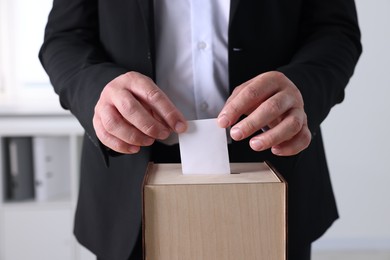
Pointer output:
x,y
51,167
19,169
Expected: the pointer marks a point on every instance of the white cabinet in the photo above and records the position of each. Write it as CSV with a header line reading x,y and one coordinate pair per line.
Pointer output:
x,y
37,232
32,229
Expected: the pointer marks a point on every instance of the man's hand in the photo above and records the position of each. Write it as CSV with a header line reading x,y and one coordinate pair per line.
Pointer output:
x,y
133,112
272,101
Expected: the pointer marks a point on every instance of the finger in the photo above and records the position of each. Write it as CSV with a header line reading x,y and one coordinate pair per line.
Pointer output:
x,y
267,113
295,145
117,126
136,114
154,114
144,89
237,90
288,128
111,141
250,96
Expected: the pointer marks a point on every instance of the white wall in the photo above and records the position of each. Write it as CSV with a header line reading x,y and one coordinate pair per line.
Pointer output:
x,y
24,85
357,141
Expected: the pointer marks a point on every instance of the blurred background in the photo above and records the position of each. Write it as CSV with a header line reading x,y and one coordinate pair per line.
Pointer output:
x,y
356,137
357,142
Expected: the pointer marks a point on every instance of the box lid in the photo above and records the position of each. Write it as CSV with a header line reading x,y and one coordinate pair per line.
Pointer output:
x,y
171,174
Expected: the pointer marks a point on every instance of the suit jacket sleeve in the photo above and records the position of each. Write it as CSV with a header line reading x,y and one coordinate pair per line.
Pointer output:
x,y
328,51
75,61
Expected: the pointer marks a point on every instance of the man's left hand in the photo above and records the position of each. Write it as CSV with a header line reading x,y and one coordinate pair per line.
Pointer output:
x,y
270,101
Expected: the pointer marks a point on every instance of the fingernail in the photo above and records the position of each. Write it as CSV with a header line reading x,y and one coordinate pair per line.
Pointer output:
x,y
147,141
163,134
236,133
134,149
223,121
256,144
276,150
180,127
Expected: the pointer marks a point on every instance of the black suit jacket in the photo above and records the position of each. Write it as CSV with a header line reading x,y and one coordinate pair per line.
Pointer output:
x,y
88,43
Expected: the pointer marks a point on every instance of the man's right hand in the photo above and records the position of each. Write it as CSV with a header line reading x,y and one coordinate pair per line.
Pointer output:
x,y
133,112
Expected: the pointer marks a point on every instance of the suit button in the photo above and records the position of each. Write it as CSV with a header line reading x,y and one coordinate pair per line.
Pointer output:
x,y
202,45
204,106
237,49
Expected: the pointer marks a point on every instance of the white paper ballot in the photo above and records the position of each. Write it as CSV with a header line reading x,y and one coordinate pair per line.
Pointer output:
x,y
203,148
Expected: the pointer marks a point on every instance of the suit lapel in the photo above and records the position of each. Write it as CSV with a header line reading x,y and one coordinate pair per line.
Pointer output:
x,y
147,10
233,9
146,7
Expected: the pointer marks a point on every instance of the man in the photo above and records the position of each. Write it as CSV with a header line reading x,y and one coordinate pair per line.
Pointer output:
x,y
134,71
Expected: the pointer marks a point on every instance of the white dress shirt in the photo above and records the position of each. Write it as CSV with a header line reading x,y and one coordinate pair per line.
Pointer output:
x,y
192,54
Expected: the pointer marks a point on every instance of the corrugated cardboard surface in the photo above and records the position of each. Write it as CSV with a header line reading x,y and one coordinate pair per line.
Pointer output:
x,y
237,216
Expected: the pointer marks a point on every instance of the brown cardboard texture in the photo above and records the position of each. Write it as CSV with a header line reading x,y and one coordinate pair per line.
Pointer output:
x,y
214,217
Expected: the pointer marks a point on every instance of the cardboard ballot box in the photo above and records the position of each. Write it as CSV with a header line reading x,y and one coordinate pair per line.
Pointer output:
x,y
240,216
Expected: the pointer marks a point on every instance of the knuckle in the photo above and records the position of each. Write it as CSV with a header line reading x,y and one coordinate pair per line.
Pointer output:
x,y
269,140
295,124
277,74
136,79
170,116
307,137
119,146
250,127
128,105
131,75
234,109
299,99
109,86
106,139
236,90
150,129
278,77
154,96
124,105
116,145
133,138
294,92
274,107
102,135
136,138
110,123
252,92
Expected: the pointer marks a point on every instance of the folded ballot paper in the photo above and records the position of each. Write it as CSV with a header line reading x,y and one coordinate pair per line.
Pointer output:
x,y
203,148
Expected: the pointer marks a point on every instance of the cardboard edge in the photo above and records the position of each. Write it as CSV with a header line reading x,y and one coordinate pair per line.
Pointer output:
x,y
144,182
275,171
282,179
